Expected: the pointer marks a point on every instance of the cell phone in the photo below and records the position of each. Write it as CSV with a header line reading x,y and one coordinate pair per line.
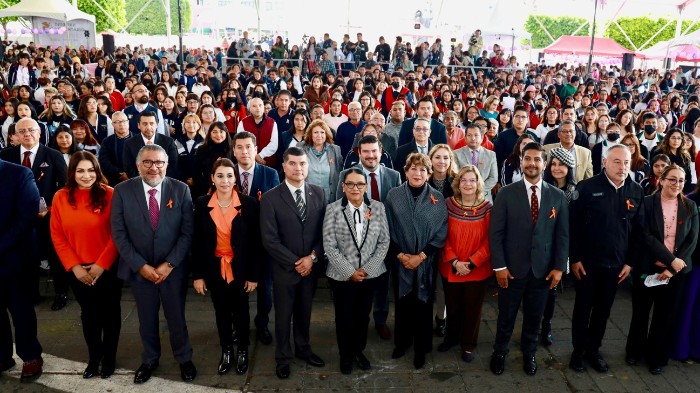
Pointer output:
x,y
42,205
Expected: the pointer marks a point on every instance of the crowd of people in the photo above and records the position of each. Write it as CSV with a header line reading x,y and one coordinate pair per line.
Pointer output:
x,y
384,172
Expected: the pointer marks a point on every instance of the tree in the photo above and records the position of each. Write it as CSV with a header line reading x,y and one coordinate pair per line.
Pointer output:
x,y
152,20
102,22
557,27
5,21
642,28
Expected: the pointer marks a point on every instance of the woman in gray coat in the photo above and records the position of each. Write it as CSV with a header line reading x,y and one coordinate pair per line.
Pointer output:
x,y
325,160
356,240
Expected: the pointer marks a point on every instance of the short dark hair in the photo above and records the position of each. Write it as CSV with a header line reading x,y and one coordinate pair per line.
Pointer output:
x,y
293,151
367,140
148,114
649,115
353,170
285,92
244,135
534,146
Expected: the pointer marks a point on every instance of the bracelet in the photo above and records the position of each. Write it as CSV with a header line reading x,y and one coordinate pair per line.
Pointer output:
x,y
423,256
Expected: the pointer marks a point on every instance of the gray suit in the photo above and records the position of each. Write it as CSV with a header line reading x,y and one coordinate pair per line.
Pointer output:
x,y
487,166
287,239
529,252
139,244
388,179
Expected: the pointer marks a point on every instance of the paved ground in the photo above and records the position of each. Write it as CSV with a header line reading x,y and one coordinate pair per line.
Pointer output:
x,y
60,334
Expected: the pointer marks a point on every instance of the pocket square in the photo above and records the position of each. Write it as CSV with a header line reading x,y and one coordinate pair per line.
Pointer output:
x,y
43,165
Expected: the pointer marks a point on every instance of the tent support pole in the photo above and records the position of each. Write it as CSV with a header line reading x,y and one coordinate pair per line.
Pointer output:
x,y
137,15
109,15
655,34
65,23
590,53
626,36
543,27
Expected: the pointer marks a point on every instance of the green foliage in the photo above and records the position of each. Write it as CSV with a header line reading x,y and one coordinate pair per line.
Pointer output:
x,y
557,27
102,22
5,21
152,20
642,28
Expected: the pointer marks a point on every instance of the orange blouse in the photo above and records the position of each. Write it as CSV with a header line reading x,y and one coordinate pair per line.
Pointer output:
x,y
222,221
82,235
467,239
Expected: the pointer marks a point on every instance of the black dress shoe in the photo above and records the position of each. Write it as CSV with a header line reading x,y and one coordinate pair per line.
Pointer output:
x,y
7,364
59,301
498,363
419,360
398,353
362,362
345,366
546,335
597,363
313,360
225,362
576,362
107,370
90,371
632,360
242,361
656,370
282,371
188,371
440,327
530,365
264,336
143,374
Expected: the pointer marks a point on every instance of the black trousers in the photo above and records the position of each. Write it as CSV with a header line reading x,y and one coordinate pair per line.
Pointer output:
x,y
149,296
231,309
61,278
595,294
549,307
352,302
654,341
264,294
381,298
16,297
100,313
532,292
413,320
293,302
464,301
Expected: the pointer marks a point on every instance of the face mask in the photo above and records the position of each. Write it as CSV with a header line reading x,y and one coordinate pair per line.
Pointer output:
x,y
538,107
395,85
257,94
613,137
649,129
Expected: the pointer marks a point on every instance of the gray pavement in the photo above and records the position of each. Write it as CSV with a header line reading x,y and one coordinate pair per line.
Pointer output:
x,y
61,336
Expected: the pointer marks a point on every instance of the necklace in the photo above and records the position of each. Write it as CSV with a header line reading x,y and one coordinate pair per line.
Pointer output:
x,y
222,206
471,208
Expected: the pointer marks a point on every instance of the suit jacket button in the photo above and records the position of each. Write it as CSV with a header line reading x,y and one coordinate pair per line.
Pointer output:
x,y
357,255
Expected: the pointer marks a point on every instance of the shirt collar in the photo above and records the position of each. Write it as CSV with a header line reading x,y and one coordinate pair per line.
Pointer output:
x,y
293,189
34,150
612,183
251,170
147,188
145,140
528,184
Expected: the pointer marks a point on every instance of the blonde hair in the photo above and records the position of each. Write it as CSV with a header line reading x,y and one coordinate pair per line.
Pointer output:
x,y
452,170
479,182
196,120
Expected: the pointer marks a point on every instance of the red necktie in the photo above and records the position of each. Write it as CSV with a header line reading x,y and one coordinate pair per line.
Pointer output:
x,y
534,204
26,162
153,209
374,187
245,183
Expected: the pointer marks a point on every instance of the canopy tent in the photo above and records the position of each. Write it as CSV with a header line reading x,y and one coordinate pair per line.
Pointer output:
x,y
581,45
667,49
50,15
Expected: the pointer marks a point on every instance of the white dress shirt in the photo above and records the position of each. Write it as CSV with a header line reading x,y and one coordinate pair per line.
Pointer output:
x,y
251,173
158,195
528,188
32,156
358,223
293,190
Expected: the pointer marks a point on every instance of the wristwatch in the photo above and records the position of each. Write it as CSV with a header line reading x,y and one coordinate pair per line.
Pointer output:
x,y
313,256
170,265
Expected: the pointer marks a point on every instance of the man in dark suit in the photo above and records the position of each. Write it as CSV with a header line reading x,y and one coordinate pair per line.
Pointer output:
x,y
21,206
112,152
255,180
420,143
49,171
291,220
148,122
380,180
438,133
152,227
529,237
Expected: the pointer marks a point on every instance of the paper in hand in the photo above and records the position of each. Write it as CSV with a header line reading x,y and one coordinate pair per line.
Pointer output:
x,y
652,280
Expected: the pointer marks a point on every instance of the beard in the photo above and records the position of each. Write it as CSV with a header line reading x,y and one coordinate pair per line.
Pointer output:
x,y
142,100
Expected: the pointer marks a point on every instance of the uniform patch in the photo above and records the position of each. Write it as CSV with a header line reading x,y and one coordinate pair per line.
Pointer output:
x,y
598,194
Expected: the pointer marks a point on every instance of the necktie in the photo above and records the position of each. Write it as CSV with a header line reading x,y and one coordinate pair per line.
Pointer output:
x,y
301,206
26,162
149,142
153,209
374,187
534,204
245,183
475,158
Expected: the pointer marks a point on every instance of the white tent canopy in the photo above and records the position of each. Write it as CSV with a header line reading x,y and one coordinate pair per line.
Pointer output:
x,y
52,9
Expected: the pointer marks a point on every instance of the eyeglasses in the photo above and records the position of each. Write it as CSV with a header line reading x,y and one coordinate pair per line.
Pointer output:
x,y
467,181
140,91
421,129
520,117
120,121
673,182
149,163
27,131
352,185
676,138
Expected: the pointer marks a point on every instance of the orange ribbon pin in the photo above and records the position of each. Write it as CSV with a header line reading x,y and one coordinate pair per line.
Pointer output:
x,y
432,198
554,213
169,204
630,206
259,195
368,214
